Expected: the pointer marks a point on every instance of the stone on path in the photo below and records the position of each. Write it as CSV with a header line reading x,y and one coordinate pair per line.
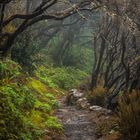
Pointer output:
x,y
76,122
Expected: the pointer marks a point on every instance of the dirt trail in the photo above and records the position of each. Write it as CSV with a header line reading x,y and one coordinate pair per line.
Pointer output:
x,y
77,123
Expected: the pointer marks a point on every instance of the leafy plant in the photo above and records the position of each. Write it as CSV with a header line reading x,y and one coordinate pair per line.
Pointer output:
x,y
37,86
9,70
53,124
14,107
25,104
42,74
64,77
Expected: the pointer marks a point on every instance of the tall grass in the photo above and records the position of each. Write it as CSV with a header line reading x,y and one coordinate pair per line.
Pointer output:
x,y
128,116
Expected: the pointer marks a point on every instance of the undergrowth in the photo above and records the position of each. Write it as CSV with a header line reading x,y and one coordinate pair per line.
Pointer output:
x,y
128,115
62,77
125,122
26,104
97,96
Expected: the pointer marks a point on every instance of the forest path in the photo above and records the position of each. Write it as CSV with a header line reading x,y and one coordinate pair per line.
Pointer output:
x,y
77,122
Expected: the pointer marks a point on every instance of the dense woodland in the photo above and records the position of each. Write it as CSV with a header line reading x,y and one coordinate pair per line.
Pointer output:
x,y
48,47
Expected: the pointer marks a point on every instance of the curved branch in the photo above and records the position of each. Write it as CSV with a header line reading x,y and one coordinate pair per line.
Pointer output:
x,y
38,11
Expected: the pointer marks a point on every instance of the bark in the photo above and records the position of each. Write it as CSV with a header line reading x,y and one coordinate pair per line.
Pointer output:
x,y
2,9
96,72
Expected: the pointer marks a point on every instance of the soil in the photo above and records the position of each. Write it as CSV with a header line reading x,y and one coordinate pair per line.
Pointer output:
x,y
77,122
82,124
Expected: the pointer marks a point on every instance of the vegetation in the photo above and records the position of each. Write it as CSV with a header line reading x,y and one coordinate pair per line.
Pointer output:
x,y
48,47
128,115
98,96
64,77
26,105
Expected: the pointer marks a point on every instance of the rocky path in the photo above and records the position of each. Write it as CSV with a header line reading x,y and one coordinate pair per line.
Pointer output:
x,y
80,120
77,123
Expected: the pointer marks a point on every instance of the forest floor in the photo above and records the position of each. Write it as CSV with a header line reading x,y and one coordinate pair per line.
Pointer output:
x,y
76,122
84,124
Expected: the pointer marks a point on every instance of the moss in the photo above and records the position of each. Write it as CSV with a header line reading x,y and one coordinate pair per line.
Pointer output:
x,y
37,86
37,119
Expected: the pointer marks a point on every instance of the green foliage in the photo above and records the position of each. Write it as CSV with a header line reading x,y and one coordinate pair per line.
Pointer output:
x,y
37,86
128,116
53,123
46,107
16,102
52,100
27,58
25,104
80,58
64,77
42,92
8,70
42,74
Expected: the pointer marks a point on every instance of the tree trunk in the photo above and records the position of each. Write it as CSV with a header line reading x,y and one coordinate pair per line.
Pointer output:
x,y
95,73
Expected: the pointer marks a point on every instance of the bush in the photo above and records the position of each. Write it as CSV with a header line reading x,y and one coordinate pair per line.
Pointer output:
x,y
97,96
64,77
25,104
53,124
43,75
37,86
15,104
128,116
8,71
79,57
76,56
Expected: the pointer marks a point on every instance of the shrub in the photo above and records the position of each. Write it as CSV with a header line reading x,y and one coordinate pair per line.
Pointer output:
x,y
42,74
25,104
37,86
128,115
64,77
97,96
15,104
47,100
79,57
53,124
8,71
